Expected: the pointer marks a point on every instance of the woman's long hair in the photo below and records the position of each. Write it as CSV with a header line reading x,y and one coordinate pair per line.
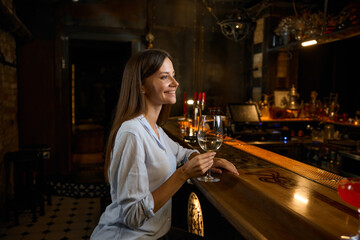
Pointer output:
x,y
131,101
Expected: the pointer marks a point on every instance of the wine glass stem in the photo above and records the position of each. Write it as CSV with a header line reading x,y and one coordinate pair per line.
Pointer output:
x,y
208,174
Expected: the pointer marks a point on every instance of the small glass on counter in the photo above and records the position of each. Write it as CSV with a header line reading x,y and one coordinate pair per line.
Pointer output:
x,y
187,129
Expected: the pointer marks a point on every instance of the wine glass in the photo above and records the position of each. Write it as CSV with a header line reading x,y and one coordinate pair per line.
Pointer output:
x,y
349,191
210,137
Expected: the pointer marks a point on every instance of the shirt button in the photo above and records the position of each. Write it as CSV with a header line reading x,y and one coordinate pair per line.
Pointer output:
x,y
168,219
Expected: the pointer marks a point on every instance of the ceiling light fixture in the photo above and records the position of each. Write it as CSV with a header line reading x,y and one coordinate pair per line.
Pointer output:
x,y
236,26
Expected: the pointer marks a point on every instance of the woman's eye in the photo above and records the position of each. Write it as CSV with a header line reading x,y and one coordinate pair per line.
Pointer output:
x,y
164,77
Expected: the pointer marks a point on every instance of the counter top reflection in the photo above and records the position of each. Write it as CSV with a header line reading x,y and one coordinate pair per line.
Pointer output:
x,y
275,197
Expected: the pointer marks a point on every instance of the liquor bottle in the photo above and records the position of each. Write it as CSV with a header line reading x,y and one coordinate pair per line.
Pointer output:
x,y
196,112
203,102
199,100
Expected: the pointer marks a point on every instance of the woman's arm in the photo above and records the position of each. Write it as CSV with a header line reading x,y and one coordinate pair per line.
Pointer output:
x,y
221,163
195,167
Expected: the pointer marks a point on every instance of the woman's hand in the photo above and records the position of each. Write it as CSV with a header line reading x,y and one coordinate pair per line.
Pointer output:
x,y
221,163
198,164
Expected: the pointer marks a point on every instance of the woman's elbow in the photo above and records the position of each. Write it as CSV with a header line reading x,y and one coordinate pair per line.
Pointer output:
x,y
135,219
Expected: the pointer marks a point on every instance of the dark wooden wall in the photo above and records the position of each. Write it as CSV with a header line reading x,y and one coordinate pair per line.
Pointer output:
x,y
204,59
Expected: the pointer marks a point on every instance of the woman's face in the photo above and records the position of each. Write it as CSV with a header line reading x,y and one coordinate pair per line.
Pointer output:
x,y
160,88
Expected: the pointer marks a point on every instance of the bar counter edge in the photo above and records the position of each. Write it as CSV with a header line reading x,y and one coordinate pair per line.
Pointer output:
x,y
277,197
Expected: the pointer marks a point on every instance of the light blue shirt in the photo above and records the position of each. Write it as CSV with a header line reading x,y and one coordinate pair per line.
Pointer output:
x,y
140,163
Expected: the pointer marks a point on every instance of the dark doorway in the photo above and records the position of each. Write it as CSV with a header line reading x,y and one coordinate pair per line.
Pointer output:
x,y
96,69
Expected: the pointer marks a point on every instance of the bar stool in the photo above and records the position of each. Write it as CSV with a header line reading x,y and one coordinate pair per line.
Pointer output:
x,y
44,152
24,183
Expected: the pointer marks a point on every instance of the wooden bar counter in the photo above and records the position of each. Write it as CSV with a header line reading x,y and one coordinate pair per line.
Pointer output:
x,y
275,197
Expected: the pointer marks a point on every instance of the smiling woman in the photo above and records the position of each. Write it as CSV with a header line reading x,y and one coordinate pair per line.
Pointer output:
x,y
160,87
141,160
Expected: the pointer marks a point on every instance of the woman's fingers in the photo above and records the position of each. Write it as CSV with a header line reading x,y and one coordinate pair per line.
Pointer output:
x,y
216,170
202,164
198,165
223,163
207,155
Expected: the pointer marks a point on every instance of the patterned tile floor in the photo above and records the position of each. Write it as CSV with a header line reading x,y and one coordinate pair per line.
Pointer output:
x,y
66,219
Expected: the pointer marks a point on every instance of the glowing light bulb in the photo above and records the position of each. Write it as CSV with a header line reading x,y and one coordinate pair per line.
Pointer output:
x,y
309,43
190,102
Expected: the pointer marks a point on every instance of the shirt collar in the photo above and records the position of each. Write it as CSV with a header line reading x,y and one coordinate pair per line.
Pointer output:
x,y
150,130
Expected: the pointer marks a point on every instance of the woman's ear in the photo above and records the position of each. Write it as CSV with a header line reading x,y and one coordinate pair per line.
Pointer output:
x,y
142,89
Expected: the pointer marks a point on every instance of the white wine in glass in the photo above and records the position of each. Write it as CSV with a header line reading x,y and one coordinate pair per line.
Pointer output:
x,y
210,137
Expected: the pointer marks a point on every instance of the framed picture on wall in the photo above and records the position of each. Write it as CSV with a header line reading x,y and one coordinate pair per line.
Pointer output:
x,y
281,98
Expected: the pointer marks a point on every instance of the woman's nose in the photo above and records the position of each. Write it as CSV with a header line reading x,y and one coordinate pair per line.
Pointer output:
x,y
174,82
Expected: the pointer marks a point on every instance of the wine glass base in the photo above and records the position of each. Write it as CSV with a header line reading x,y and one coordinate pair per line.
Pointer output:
x,y
208,179
355,237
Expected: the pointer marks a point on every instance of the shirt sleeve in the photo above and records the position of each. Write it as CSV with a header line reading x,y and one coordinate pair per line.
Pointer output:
x,y
129,181
182,154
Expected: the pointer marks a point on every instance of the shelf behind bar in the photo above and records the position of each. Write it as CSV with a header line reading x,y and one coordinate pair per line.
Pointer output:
x,y
309,120
349,32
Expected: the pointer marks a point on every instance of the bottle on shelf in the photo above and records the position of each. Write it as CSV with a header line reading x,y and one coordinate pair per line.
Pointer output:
x,y
203,102
264,107
196,111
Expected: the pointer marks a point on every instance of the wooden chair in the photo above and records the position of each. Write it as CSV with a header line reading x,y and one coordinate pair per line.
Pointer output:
x,y
24,183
